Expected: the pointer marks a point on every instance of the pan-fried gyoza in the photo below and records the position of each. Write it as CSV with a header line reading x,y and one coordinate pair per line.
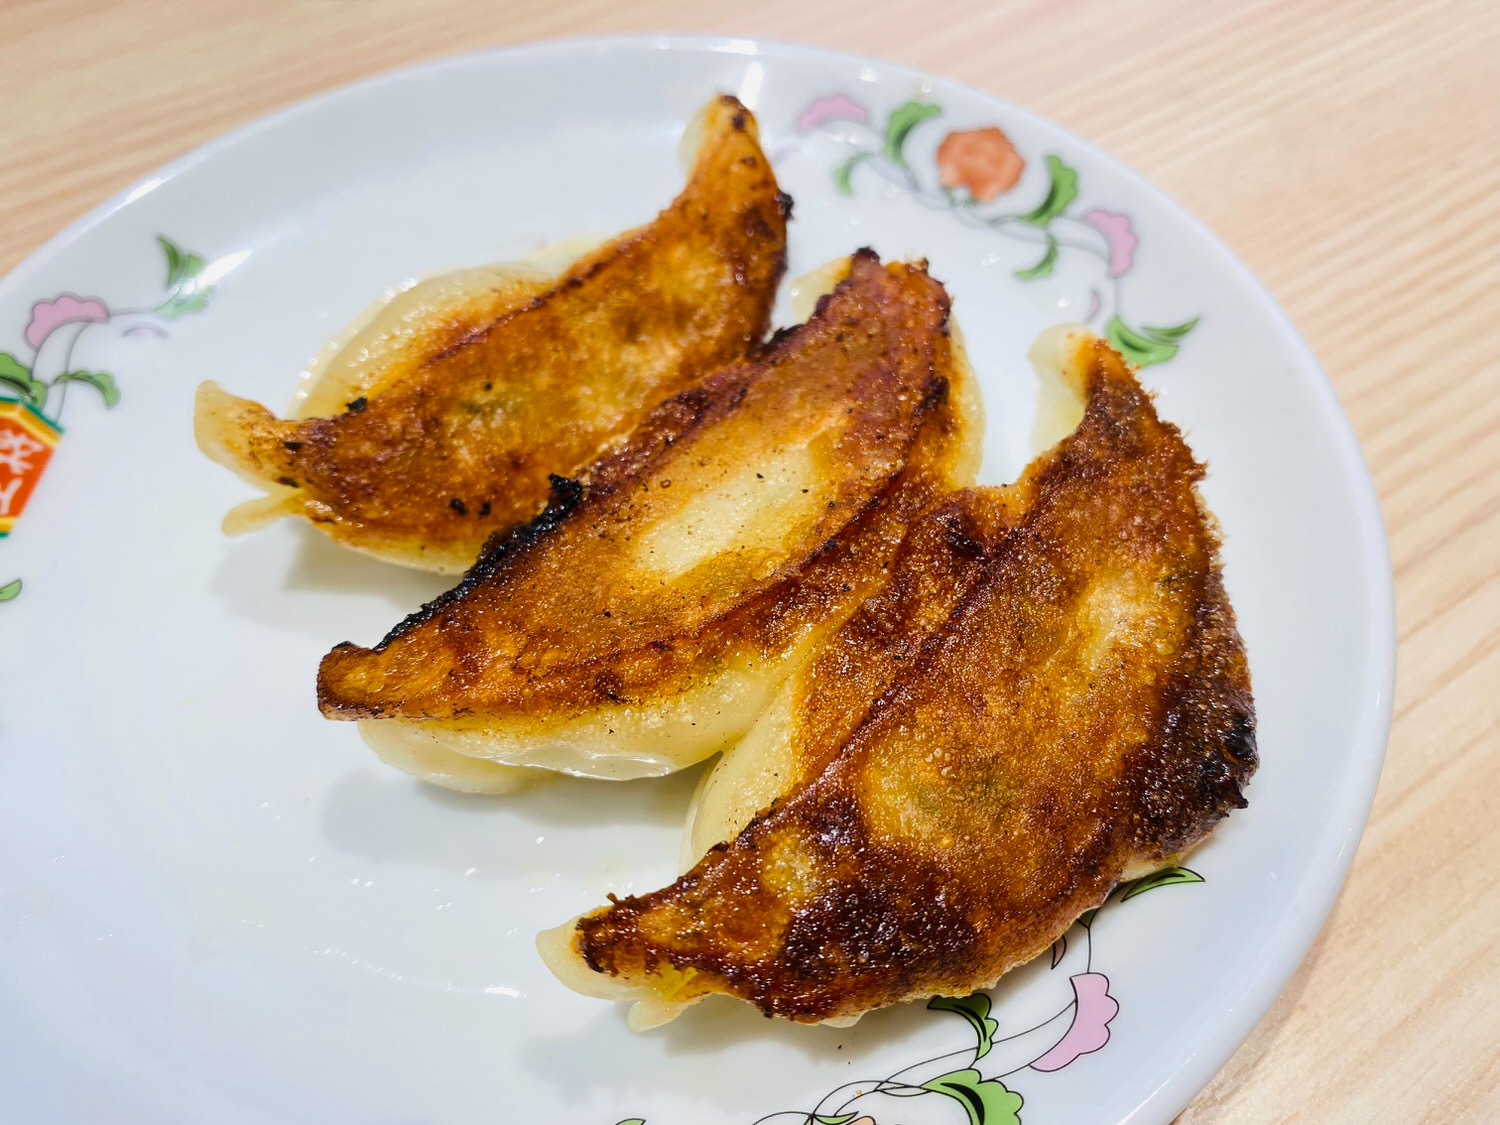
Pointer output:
x,y
1047,698
458,425
643,622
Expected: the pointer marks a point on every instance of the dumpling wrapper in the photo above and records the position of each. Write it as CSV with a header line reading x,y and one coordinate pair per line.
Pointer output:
x,y
642,624
518,375
938,805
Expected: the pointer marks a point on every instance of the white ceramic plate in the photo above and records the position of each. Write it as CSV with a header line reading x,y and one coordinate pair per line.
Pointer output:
x,y
216,906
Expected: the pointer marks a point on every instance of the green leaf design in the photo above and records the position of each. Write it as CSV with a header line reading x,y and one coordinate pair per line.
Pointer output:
x,y
1149,345
1042,268
975,1009
181,266
1173,335
9,591
633,1121
190,299
1164,878
16,375
826,1119
1086,919
1061,192
842,173
1139,349
185,294
101,381
900,123
986,1101
174,260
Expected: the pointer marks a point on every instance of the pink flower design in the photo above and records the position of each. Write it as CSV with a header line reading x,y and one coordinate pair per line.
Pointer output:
x,y
65,308
1118,236
835,107
1093,1008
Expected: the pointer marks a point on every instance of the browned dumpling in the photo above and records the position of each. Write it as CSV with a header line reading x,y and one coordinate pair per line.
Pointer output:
x,y
643,622
1049,697
516,379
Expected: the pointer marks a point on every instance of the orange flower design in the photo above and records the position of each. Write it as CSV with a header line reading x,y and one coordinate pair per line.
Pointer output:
x,y
982,161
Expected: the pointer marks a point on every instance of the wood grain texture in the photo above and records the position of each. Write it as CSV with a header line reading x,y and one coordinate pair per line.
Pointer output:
x,y
1348,151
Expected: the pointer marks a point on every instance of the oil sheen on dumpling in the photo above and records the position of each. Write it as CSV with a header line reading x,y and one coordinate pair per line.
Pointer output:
x,y
642,623
461,418
1049,697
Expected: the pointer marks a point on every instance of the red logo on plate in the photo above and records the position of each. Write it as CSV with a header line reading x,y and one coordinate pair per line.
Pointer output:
x,y
26,443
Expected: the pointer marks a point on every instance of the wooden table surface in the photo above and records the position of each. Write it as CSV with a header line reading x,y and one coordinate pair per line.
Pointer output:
x,y
1348,151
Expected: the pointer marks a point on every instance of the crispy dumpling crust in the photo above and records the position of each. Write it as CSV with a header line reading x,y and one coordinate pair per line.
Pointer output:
x,y
744,518
1082,716
460,439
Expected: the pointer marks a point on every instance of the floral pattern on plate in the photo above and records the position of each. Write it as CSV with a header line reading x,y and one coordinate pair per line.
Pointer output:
x,y
979,1095
34,385
975,175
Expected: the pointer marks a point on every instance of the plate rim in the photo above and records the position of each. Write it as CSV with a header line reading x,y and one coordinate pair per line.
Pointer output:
x,y
1319,883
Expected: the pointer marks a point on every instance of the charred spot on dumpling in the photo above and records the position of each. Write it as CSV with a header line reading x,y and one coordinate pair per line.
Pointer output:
x,y
1048,697
539,376
645,618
